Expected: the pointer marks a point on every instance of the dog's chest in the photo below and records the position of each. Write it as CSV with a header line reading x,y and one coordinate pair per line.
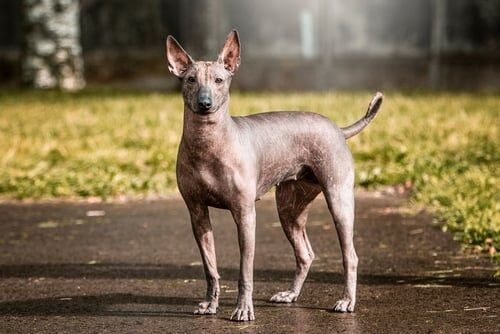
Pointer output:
x,y
214,180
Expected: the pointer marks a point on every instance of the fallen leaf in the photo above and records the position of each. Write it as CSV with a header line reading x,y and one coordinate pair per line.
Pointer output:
x,y
96,213
432,286
48,224
483,308
444,311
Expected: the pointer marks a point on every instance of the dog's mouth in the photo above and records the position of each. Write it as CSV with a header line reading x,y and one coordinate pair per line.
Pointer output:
x,y
205,111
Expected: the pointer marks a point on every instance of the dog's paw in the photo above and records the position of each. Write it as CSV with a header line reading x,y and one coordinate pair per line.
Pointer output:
x,y
243,312
344,305
284,297
206,307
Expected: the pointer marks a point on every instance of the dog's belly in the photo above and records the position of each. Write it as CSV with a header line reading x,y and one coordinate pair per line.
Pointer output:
x,y
275,177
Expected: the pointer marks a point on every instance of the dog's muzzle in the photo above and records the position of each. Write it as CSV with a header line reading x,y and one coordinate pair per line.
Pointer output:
x,y
204,100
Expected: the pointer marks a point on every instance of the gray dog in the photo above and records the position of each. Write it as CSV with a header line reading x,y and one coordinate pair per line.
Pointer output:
x,y
230,162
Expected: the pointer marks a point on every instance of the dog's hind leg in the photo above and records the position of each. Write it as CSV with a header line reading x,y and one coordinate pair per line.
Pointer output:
x,y
293,199
340,200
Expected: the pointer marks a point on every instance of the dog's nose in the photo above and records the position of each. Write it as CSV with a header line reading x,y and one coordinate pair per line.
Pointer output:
x,y
204,99
205,104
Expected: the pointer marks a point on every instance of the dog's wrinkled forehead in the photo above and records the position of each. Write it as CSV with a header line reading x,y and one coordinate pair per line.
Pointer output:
x,y
206,71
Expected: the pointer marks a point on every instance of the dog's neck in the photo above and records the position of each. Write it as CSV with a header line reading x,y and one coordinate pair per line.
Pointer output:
x,y
203,131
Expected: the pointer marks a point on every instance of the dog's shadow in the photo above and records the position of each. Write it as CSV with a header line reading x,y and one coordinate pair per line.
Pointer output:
x,y
127,304
118,304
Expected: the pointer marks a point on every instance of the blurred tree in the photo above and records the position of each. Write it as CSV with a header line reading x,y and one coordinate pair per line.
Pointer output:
x,y
52,53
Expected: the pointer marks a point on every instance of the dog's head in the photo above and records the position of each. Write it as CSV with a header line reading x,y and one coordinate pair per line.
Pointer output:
x,y
205,84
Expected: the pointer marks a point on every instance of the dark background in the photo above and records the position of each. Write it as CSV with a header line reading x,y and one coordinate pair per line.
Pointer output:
x,y
310,45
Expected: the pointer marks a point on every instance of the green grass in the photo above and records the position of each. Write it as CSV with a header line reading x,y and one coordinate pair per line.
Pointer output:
x,y
105,143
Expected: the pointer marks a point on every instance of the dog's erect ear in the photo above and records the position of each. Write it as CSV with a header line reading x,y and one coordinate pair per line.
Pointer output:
x,y
230,54
178,59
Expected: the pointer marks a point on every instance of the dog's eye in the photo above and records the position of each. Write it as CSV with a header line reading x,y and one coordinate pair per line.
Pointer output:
x,y
218,80
191,80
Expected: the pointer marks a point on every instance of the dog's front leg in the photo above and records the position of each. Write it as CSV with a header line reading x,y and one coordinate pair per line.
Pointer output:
x,y
245,222
202,230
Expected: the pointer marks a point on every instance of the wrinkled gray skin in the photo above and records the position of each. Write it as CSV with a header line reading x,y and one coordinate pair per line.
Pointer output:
x,y
230,162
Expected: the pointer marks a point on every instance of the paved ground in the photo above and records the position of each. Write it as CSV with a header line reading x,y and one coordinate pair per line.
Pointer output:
x,y
134,267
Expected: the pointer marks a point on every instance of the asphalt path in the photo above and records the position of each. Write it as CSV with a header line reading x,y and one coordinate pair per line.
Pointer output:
x,y
134,267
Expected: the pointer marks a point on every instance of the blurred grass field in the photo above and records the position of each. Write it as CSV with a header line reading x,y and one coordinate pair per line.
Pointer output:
x,y
108,143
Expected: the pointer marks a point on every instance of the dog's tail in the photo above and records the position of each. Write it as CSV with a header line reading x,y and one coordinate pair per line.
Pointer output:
x,y
357,127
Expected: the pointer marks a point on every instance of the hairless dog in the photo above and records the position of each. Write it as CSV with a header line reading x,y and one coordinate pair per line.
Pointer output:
x,y
230,162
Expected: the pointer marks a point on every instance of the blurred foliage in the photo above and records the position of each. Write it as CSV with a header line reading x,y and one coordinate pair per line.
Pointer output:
x,y
106,143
